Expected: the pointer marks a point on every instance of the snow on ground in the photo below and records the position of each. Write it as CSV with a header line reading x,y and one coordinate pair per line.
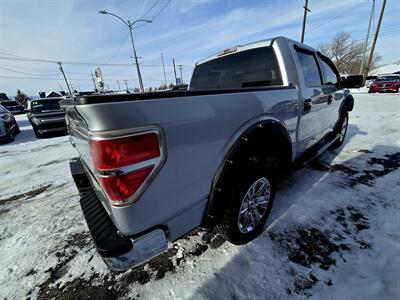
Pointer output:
x,y
333,232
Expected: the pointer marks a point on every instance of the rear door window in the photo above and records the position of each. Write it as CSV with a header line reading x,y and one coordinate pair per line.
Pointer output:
x,y
250,68
331,76
309,67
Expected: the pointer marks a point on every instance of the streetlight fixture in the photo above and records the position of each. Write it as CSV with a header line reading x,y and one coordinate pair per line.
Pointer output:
x,y
130,26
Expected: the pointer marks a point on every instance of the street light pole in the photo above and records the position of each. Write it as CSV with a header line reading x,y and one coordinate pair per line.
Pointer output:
x,y
136,60
130,26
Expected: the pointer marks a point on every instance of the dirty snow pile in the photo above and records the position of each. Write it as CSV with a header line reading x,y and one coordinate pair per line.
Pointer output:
x,y
333,232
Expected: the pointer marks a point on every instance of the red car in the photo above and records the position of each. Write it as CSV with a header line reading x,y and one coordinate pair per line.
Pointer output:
x,y
386,83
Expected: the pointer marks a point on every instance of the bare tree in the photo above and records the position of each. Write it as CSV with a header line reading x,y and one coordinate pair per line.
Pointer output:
x,y
347,54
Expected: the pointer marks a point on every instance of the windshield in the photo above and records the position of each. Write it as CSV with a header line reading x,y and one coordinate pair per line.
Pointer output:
x,y
255,67
39,106
389,78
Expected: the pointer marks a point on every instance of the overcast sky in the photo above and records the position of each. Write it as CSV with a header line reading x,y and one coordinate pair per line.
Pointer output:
x,y
187,30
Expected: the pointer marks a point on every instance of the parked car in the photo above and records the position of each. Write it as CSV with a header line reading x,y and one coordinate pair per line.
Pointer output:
x,y
8,125
13,106
154,166
369,80
180,87
385,83
46,116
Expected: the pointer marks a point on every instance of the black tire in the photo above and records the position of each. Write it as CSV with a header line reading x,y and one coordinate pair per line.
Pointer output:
x,y
238,186
17,130
341,130
37,134
10,135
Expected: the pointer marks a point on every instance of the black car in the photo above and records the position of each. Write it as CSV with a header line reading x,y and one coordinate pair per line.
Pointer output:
x,y
180,87
46,116
13,106
8,125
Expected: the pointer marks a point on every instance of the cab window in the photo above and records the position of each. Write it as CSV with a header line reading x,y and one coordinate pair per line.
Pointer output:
x,y
309,68
330,73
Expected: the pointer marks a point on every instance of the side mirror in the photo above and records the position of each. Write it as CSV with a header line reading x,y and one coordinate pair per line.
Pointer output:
x,y
354,81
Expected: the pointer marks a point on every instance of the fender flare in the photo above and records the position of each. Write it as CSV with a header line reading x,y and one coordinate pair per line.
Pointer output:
x,y
279,128
348,103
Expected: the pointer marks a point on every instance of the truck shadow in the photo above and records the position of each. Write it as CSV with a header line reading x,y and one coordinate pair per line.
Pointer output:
x,y
265,260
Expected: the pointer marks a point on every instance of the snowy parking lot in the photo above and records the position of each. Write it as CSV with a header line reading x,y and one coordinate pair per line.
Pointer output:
x,y
333,232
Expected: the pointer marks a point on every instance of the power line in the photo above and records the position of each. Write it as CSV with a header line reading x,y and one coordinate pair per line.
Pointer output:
x,y
24,68
157,14
26,73
119,48
74,62
154,4
161,10
313,28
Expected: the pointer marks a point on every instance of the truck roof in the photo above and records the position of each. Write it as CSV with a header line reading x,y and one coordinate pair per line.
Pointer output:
x,y
248,46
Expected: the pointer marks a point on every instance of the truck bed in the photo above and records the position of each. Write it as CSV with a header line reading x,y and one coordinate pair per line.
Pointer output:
x,y
199,127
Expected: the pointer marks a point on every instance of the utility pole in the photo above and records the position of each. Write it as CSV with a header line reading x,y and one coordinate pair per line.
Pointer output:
x,y
65,78
126,84
119,87
180,69
304,20
366,39
165,77
371,54
94,82
173,62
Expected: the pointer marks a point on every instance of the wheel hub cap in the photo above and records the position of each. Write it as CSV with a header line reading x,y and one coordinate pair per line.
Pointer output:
x,y
254,205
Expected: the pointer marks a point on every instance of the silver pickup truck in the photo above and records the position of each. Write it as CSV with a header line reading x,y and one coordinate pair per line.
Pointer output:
x,y
154,166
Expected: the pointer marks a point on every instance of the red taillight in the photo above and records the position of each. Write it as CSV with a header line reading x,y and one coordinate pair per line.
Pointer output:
x,y
121,152
122,165
120,188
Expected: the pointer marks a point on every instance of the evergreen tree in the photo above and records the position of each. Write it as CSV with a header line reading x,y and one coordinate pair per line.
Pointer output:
x,y
22,97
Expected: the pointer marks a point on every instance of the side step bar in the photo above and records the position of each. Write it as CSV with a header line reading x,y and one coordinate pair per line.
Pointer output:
x,y
304,160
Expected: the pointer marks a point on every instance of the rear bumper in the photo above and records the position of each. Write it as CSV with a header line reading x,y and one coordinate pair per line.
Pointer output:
x,y
49,125
48,130
119,252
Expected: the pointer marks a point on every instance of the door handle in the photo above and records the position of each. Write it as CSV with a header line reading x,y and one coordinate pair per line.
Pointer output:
x,y
307,105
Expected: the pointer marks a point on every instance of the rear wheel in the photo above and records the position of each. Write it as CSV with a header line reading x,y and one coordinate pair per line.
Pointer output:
x,y
249,202
37,133
341,131
17,130
9,134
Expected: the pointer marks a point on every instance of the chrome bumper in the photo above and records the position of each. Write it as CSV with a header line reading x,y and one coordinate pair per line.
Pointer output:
x,y
144,248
